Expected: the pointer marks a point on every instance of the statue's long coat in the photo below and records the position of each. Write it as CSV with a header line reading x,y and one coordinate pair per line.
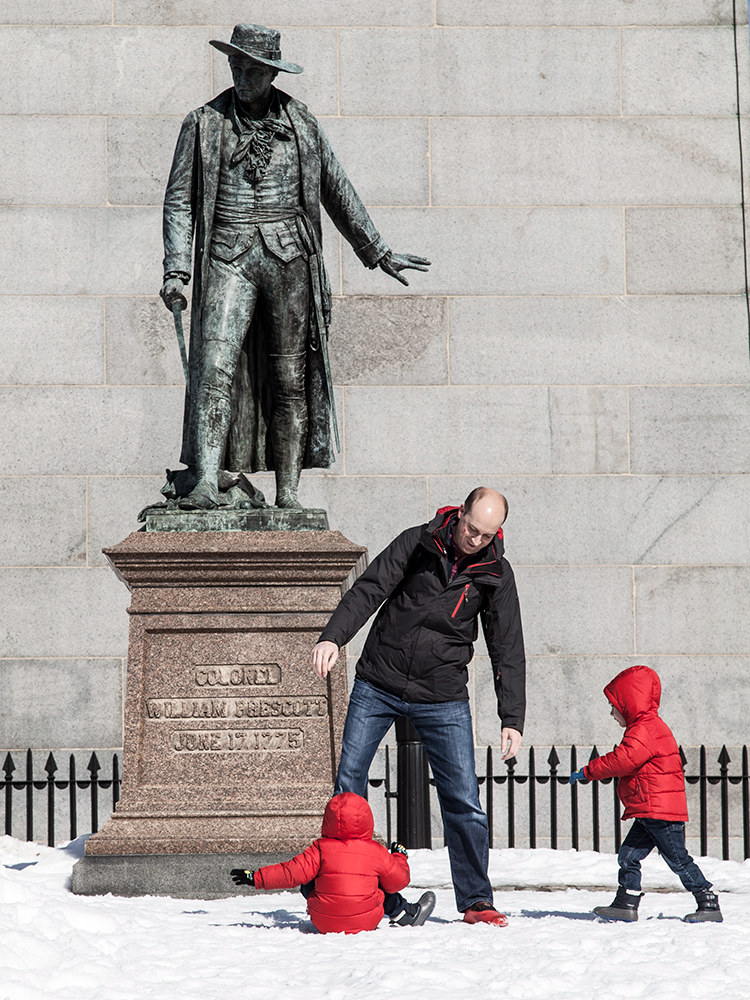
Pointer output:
x,y
189,205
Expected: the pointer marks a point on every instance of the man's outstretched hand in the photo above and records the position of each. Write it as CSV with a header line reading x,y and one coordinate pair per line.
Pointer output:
x,y
394,263
324,657
510,742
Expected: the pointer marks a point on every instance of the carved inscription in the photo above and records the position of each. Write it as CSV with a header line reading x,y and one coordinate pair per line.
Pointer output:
x,y
248,740
219,698
237,674
293,706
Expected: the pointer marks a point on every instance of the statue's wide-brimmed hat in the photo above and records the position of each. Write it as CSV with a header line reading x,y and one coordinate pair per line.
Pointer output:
x,y
262,45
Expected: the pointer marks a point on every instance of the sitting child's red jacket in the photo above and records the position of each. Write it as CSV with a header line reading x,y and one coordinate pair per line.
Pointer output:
x,y
350,869
647,762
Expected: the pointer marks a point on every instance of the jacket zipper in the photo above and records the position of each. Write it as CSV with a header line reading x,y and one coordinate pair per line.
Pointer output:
x,y
460,600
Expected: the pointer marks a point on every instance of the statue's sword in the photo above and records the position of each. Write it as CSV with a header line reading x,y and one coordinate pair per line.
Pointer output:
x,y
323,338
329,389
177,314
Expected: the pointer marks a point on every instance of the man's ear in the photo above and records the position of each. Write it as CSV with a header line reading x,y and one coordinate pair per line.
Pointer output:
x,y
461,510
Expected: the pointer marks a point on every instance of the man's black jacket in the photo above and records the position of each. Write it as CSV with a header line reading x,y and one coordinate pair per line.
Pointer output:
x,y
421,642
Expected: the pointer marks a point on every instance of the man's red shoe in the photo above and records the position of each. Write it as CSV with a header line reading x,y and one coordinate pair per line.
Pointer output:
x,y
483,912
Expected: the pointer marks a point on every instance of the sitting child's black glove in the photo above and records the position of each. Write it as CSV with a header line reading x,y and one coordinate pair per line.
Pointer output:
x,y
397,848
243,876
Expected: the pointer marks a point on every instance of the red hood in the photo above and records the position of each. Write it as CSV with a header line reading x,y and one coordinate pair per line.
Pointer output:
x,y
634,692
447,512
348,817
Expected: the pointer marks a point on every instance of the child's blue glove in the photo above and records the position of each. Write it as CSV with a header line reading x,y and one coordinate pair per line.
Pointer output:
x,y
397,848
578,776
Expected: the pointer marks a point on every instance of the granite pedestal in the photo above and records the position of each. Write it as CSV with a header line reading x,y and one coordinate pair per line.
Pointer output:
x,y
230,739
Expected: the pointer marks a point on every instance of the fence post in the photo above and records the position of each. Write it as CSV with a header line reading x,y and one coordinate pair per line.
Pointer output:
x,y
412,778
745,805
574,800
553,760
595,804
9,767
29,797
532,798
388,794
724,760
50,767
72,797
94,768
616,816
703,788
511,765
490,804
116,780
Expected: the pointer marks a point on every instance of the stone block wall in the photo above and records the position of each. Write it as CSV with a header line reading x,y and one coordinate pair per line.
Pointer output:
x,y
571,167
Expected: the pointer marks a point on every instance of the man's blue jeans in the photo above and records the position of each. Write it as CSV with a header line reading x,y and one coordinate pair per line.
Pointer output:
x,y
669,838
446,732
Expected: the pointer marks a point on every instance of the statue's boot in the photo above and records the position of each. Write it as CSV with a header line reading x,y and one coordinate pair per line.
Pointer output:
x,y
212,426
203,496
289,426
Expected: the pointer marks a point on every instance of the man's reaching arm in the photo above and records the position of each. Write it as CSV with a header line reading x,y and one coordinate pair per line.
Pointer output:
x,y
363,599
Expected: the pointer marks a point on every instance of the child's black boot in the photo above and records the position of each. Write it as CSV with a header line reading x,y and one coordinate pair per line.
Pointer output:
x,y
415,914
623,907
708,908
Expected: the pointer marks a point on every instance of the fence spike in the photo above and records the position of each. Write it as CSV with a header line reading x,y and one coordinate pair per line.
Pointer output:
x,y
93,765
553,760
594,754
50,767
9,767
683,758
724,758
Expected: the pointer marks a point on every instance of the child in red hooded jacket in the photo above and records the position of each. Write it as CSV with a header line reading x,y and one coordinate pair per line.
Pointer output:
x,y
344,873
651,786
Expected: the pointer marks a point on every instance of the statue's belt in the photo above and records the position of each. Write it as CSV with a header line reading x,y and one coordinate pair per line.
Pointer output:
x,y
237,216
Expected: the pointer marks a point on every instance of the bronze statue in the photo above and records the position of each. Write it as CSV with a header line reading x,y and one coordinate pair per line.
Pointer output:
x,y
242,215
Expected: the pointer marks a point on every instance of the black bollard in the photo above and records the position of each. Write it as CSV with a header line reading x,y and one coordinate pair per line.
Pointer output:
x,y
413,802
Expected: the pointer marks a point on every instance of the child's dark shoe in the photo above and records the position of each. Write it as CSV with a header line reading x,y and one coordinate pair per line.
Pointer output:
x,y
415,914
483,912
623,907
708,908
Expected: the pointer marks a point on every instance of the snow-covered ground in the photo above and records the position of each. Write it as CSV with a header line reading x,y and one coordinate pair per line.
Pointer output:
x,y
57,946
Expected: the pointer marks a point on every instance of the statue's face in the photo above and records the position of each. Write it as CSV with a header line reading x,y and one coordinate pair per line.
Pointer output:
x,y
252,80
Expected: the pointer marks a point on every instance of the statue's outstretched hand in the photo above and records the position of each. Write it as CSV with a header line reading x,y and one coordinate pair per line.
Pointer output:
x,y
394,263
171,292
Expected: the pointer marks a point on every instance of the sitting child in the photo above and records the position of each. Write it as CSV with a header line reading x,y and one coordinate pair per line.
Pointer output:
x,y
343,874
651,786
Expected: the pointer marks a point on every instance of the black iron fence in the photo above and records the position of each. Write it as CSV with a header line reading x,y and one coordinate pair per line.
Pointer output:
x,y
534,805
55,795
528,800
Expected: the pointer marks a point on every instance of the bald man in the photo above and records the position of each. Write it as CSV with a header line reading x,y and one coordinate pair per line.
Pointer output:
x,y
432,584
